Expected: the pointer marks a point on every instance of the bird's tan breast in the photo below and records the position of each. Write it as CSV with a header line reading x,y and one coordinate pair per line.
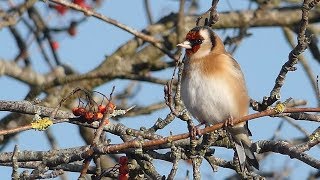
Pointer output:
x,y
224,66
217,83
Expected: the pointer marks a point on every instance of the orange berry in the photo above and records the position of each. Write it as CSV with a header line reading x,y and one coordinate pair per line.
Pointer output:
x,y
111,106
98,116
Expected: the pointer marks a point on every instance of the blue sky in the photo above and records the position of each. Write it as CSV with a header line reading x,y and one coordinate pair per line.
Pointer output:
x,y
260,56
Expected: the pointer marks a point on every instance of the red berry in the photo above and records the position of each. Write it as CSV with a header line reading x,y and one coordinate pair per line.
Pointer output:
x,y
54,45
72,30
78,1
123,169
75,111
102,108
61,9
89,117
123,160
79,111
81,3
123,177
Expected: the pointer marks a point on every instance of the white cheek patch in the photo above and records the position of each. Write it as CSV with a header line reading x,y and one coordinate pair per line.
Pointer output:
x,y
206,36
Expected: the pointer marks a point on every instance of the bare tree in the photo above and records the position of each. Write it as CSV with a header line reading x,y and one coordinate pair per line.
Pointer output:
x,y
64,95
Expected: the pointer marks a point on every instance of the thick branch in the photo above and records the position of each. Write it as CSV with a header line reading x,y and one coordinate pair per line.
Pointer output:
x,y
285,148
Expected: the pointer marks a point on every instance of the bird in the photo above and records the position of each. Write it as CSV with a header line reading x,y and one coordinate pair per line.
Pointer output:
x,y
213,89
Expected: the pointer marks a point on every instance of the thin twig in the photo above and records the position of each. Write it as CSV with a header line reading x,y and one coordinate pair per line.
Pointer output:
x,y
12,18
210,17
42,27
15,165
297,126
286,148
318,88
148,11
22,46
175,153
54,145
196,162
168,90
181,24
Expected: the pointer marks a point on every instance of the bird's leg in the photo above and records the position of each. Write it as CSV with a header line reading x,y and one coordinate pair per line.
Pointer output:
x,y
228,122
195,131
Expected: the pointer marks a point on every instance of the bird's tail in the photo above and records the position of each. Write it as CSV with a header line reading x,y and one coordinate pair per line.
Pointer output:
x,y
243,146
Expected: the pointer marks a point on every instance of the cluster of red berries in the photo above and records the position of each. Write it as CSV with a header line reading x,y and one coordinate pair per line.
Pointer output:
x,y
123,168
89,116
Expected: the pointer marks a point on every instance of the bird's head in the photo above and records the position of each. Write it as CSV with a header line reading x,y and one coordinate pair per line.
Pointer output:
x,y
200,41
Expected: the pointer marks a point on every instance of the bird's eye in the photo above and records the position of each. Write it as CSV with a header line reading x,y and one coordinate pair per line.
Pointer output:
x,y
198,41
195,42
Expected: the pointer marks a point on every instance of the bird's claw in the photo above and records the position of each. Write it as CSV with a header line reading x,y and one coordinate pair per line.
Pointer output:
x,y
228,122
195,131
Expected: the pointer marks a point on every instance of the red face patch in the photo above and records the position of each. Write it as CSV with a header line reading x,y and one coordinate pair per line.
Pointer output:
x,y
193,37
